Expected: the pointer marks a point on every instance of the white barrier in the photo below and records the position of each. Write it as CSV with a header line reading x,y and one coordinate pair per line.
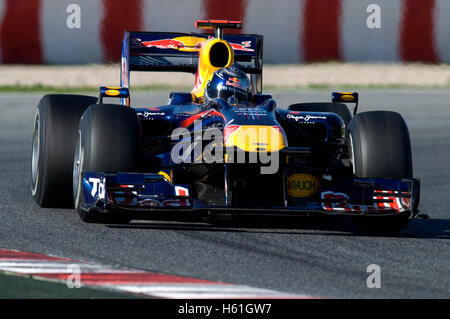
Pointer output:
x,y
295,30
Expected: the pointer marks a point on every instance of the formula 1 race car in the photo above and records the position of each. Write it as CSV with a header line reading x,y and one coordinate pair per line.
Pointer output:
x,y
224,149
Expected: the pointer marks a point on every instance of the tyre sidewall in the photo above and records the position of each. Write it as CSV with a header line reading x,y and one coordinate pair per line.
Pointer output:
x,y
379,145
110,142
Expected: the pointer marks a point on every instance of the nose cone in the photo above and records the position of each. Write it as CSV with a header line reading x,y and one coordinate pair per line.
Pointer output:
x,y
255,138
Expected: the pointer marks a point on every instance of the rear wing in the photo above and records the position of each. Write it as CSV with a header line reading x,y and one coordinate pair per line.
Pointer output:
x,y
178,52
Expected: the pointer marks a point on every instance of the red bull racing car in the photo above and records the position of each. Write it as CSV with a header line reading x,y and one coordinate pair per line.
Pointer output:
x,y
224,149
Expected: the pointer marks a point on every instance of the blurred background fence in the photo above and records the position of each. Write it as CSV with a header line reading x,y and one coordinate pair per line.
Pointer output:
x,y
295,31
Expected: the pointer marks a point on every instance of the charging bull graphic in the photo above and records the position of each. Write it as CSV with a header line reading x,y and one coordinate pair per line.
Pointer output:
x,y
191,44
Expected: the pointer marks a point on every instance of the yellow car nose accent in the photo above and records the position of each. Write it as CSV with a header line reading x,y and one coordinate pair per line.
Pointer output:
x,y
255,138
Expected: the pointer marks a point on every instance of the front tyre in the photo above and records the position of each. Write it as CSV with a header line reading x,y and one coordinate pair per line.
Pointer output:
x,y
109,140
380,147
54,135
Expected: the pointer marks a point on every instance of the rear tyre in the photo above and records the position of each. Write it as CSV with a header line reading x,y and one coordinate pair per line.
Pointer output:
x,y
54,136
337,108
109,140
379,146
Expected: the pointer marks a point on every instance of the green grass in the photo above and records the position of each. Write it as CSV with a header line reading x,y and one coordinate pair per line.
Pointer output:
x,y
53,89
168,88
42,88
24,287
356,87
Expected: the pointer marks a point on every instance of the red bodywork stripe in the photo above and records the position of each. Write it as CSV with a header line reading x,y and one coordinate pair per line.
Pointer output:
x,y
416,31
321,30
20,32
230,10
119,16
191,119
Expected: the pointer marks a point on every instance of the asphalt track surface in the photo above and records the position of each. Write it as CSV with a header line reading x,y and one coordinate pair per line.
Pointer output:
x,y
323,258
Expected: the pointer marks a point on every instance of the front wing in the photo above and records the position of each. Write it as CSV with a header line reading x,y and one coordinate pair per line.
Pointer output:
x,y
153,196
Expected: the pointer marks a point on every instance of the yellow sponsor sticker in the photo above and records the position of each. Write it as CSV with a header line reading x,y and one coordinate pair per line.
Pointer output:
x,y
347,98
302,185
112,92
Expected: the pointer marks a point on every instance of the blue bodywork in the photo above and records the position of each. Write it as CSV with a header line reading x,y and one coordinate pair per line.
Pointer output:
x,y
149,195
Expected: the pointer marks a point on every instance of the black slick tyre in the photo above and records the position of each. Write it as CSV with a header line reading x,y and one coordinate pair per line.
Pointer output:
x,y
109,140
54,136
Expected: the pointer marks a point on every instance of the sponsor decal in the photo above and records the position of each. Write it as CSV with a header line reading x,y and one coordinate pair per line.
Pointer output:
x,y
163,43
235,82
249,113
244,46
149,114
181,191
98,187
347,98
190,44
302,185
340,202
112,92
305,118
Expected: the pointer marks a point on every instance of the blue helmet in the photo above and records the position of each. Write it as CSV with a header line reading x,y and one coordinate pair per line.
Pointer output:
x,y
231,84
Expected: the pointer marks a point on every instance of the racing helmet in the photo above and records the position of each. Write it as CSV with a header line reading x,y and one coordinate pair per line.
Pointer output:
x,y
231,84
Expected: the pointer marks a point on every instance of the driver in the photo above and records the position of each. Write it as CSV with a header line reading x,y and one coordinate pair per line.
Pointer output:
x,y
231,84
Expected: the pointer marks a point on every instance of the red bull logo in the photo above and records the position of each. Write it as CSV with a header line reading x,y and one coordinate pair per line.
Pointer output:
x,y
164,44
191,43
234,82
244,46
